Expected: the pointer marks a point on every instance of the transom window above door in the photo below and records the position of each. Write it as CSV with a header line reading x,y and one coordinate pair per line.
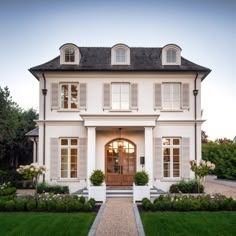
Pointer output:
x,y
120,96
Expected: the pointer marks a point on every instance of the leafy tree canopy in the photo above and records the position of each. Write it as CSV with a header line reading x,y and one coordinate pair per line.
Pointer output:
x,y
15,122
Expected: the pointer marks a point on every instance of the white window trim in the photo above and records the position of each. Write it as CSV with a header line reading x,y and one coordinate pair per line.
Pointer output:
x,y
172,178
164,54
69,96
180,97
113,54
121,110
69,160
62,54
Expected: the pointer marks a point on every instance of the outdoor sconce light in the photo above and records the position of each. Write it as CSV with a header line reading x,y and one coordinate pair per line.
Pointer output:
x,y
142,160
195,92
44,91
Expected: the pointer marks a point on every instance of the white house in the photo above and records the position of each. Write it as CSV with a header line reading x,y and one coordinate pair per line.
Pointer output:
x,y
120,109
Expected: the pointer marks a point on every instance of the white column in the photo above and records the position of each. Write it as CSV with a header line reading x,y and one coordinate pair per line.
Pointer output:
x,y
91,150
149,153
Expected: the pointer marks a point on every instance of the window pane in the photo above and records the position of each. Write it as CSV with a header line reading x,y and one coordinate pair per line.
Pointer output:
x,y
166,141
171,56
64,141
120,55
74,96
64,96
176,141
64,163
73,141
120,96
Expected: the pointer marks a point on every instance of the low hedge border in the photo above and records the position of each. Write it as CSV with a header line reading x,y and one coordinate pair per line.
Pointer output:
x,y
56,189
216,202
183,186
48,203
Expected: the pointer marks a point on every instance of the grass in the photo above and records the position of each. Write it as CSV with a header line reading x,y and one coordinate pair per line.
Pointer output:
x,y
189,223
45,224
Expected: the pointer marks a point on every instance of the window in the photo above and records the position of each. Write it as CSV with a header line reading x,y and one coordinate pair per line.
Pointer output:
x,y
171,56
69,157
69,55
171,96
120,55
69,96
171,157
120,96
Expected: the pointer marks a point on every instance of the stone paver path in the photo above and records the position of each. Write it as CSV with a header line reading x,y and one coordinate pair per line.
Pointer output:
x,y
227,188
117,218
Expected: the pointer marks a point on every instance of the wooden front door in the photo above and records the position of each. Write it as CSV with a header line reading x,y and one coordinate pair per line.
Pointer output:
x,y
120,162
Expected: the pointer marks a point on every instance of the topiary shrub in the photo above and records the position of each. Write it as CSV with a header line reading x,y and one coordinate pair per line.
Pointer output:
x,y
87,207
141,178
10,205
97,178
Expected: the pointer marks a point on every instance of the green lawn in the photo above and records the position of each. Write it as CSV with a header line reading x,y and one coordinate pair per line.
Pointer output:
x,y
189,223
44,224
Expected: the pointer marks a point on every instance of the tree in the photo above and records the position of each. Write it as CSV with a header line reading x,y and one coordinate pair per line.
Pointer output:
x,y
14,124
204,137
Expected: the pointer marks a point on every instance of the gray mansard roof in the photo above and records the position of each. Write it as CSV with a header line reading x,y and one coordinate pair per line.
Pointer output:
x,y
99,59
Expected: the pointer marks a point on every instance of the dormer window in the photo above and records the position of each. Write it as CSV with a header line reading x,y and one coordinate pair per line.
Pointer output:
x,y
120,55
69,54
171,55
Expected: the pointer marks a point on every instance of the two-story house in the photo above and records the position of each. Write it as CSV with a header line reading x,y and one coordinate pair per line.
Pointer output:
x,y
120,109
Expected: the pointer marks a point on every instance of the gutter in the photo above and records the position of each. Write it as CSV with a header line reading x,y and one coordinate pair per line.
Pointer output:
x,y
44,92
195,93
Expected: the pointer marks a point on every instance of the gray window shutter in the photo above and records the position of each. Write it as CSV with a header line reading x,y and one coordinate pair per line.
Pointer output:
x,y
157,158
82,163
54,158
185,96
54,96
157,96
106,96
83,96
185,158
134,96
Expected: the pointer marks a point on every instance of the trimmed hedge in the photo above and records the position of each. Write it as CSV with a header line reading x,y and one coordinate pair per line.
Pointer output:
x,y
56,189
48,202
183,186
215,202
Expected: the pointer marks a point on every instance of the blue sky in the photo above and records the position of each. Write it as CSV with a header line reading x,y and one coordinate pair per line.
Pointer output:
x,y
33,30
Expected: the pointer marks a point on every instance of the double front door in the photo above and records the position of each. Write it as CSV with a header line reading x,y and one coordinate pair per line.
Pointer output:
x,y
120,162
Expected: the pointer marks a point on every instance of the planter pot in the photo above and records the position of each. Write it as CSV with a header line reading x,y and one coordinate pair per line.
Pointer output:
x,y
97,192
140,192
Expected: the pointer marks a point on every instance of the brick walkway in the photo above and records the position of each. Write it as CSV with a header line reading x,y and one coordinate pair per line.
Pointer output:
x,y
118,218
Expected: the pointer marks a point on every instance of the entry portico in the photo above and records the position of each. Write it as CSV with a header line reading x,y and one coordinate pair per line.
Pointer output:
x,y
111,123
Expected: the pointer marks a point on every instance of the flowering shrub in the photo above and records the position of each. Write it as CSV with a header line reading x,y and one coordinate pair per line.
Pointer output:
x,y
6,189
215,202
201,170
32,172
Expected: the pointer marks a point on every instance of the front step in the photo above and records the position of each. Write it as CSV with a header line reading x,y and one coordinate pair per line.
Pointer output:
x,y
121,192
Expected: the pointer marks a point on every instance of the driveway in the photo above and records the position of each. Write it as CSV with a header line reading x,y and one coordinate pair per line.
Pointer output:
x,y
225,187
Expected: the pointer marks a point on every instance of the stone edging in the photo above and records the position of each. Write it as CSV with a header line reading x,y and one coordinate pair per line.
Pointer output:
x,y
138,221
93,229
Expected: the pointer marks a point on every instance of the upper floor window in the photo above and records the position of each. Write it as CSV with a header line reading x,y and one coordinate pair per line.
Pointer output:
x,y
69,96
120,55
171,149
171,96
69,55
171,55
120,96
69,157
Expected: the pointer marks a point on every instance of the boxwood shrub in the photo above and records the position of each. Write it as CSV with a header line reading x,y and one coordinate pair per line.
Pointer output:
x,y
56,189
183,186
180,202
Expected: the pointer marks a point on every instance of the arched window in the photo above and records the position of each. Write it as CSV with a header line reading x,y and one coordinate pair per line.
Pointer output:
x,y
120,55
171,55
69,55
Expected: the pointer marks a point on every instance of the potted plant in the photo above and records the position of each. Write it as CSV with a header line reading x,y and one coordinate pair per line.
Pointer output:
x,y
98,188
140,186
